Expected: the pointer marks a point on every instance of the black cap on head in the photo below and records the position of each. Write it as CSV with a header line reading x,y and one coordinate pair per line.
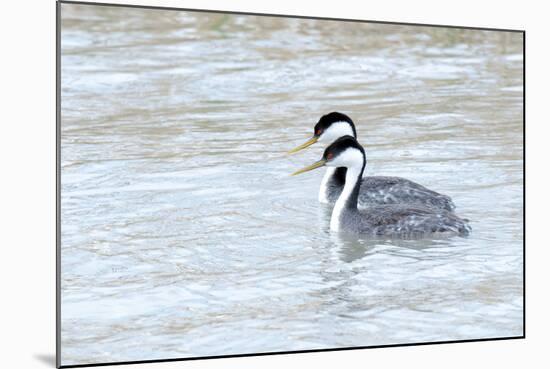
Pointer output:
x,y
330,118
341,145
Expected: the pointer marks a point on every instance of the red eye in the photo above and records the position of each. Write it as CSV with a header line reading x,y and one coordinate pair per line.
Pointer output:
x,y
318,132
329,156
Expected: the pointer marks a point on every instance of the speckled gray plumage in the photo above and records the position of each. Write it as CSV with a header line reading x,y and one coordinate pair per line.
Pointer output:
x,y
380,190
403,221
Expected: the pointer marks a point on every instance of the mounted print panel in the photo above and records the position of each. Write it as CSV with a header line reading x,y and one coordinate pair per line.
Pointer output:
x,y
182,233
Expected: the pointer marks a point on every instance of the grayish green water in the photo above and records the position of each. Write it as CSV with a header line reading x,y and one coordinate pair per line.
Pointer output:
x,y
182,233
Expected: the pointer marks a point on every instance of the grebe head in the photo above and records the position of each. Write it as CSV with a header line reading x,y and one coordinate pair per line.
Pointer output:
x,y
329,128
344,152
332,126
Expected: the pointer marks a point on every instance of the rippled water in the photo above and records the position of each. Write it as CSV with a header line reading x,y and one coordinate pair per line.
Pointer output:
x,y
184,236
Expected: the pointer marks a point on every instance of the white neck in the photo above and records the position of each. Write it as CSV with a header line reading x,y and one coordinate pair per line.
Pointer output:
x,y
323,190
352,176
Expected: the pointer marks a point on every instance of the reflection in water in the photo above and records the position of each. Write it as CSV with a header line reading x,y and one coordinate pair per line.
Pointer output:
x,y
349,248
182,232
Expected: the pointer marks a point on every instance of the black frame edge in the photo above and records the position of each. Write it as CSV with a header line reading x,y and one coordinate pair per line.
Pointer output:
x,y
285,16
524,191
291,352
58,184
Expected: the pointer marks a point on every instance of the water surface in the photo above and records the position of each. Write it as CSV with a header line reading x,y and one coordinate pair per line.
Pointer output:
x,y
184,236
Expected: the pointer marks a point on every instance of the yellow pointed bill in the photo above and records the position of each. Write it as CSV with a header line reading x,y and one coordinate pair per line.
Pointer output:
x,y
315,165
308,143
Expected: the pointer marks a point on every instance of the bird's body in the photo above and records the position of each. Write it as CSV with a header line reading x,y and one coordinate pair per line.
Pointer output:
x,y
403,221
380,190
375,190
388,220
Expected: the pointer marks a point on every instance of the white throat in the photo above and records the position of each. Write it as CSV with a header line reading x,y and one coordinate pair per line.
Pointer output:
x,y
352,176
352,159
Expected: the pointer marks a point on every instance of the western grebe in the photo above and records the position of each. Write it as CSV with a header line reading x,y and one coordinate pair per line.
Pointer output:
x,y
397,220
376,190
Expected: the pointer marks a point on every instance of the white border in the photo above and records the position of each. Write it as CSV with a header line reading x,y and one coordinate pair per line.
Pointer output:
x,y
28,183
